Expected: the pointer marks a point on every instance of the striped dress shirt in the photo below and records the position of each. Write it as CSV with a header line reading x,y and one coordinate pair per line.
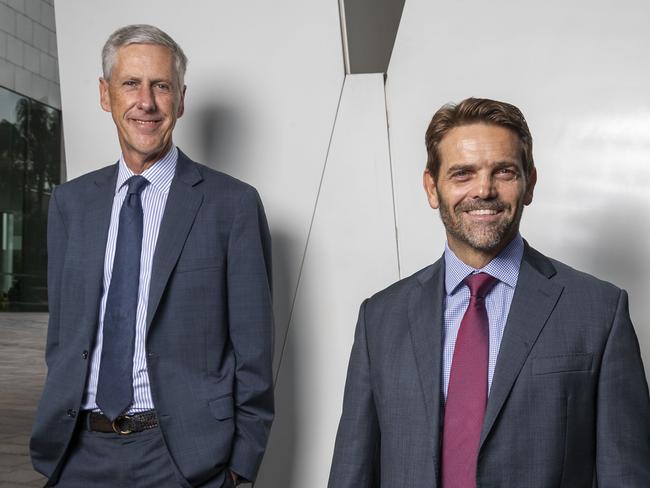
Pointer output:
x,y
154,198
504,267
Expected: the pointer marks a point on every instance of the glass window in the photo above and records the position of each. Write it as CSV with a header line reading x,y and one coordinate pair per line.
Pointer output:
x,y
30,167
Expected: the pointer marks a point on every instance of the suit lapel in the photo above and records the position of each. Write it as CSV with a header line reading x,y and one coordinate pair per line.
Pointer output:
x,y
183,202
425,319
534,299
96,222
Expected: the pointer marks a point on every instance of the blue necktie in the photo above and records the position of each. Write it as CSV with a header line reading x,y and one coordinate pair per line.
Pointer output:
x,y
115,384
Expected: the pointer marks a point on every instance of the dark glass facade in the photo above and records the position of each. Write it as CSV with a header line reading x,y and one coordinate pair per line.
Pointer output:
x,y
30,167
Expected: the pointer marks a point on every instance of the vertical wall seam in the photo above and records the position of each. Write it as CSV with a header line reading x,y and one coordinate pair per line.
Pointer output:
x,y
311,225
392,179
344,37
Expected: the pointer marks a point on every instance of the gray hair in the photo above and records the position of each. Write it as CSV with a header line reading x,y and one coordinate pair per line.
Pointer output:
x,y
142,34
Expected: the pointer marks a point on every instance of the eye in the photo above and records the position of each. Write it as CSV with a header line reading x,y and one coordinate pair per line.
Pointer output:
x,y
163,86
461,175
507,173
130,83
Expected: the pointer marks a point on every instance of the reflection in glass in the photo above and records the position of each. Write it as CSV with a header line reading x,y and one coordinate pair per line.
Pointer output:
x,y
30,167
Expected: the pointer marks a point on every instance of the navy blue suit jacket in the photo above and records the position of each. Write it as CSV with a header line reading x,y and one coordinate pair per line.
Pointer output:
x,y
209,321
568,406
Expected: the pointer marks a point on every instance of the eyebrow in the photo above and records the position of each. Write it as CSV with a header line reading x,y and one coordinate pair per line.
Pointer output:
x,y
460,167
139,79
472,166
507,164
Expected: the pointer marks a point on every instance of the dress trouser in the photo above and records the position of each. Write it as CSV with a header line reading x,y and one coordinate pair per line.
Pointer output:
x,y
109,460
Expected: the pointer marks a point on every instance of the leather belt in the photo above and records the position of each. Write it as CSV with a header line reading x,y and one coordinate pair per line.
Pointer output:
x,y
124,424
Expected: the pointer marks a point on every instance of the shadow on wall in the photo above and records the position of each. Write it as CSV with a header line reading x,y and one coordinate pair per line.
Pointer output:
x,y
278,467
621,248
221,146
620,253
220,139
281,450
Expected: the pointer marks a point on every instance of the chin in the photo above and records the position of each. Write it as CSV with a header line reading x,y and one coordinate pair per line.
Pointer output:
x,y
149,149
488,240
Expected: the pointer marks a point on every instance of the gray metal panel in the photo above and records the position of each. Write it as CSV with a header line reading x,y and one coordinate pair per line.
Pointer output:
x,y
371,28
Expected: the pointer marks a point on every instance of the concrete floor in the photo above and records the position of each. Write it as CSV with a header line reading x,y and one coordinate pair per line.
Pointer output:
x,y
22,372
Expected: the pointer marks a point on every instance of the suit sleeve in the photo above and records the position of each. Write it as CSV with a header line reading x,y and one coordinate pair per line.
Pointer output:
x,y
250,315
57,237
355,462
623,422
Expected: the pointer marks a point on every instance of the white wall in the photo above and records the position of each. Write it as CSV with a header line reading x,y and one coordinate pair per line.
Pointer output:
x,y
268,102
263,84
351,253
265,81
577,70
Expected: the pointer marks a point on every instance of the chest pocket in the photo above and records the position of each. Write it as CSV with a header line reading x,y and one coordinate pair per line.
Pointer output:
x,y
192,264
562,364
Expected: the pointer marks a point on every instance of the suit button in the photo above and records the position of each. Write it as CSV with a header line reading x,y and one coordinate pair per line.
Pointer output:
x,y
84,355
71,413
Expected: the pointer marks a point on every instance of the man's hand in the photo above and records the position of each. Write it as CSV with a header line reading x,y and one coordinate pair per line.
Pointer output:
x,y
235,477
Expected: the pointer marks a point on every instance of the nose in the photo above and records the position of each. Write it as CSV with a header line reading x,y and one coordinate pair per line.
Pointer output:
x,y
146,99
485,188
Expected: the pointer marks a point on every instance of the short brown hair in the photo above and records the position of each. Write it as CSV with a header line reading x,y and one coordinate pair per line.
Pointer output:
x,y
477,110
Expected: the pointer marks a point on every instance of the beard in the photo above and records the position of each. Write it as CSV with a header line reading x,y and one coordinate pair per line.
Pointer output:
x,y
482,236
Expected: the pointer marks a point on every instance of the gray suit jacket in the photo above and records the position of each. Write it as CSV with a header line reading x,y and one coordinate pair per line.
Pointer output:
x,y
210,327
568,405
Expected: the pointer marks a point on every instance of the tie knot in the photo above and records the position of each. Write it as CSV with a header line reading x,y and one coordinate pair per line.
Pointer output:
x,y
136,184
480,284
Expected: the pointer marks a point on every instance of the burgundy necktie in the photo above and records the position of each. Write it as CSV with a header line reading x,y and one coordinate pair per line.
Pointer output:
x,y
468,388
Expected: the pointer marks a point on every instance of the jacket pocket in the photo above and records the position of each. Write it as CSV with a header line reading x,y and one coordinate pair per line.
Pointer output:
x,y
562,364
222,408
186,264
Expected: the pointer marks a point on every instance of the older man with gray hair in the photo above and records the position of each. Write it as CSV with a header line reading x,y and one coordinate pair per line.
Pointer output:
x,y
159,345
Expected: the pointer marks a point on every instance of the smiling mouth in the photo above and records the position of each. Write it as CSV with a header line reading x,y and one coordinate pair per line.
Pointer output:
x,y
484,211
145,123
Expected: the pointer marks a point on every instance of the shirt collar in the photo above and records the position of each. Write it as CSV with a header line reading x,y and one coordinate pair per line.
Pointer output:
x,y
504,267
159,174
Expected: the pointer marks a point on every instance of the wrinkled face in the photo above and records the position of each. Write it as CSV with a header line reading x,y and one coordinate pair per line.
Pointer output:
x,y
145,99
481,189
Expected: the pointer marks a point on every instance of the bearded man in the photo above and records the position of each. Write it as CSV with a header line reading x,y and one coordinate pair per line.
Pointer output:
x,y
495,367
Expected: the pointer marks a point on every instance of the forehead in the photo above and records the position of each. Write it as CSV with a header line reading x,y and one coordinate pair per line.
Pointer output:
x,y
479,142
143,59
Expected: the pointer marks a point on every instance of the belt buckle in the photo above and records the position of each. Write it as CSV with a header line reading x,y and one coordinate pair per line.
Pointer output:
x,y
119,425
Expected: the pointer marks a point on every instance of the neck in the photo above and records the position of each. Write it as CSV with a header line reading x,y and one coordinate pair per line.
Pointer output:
x,y
138,162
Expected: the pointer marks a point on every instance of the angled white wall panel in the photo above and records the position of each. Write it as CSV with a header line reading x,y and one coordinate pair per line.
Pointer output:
x,y
263,83
576,71
350,255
